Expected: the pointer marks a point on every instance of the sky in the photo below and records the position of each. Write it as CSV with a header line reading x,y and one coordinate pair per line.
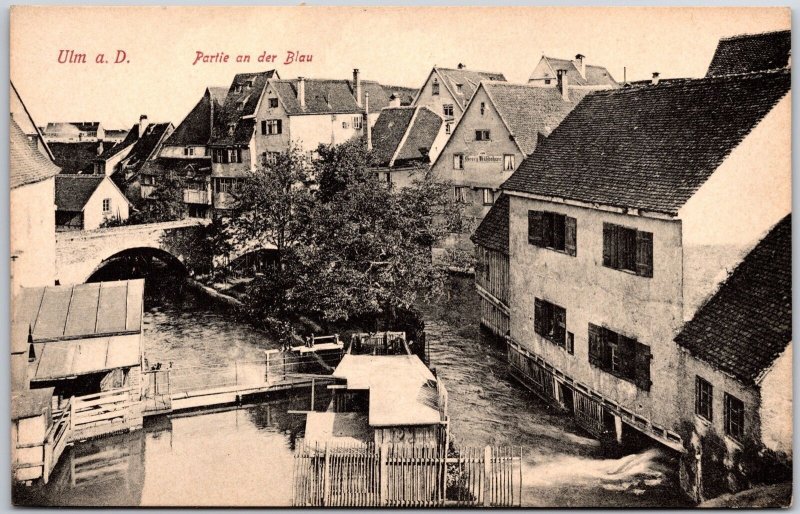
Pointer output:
x,y
396,46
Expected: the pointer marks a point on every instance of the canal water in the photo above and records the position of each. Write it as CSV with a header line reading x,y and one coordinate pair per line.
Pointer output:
x,y
243,457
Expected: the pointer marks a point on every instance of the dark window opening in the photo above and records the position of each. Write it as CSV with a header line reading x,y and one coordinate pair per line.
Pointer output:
x,y
619,355
704,394
734,417
550,322
554,231
628,249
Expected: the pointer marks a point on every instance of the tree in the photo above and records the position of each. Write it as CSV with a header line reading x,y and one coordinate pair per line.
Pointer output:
x,y
165,203
340,166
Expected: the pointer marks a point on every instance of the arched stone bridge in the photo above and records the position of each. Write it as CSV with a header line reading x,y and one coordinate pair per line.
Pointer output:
x,y
79,253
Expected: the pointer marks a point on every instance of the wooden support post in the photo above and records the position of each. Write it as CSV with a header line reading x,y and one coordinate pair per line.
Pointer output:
x,y
384,474
326,479
313,387
487,474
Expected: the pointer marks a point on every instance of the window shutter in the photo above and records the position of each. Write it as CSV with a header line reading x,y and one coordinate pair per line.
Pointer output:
x,y
535,226
238,155
571,236
560,329
280,127
538,316
627,349
642,366
595,345
263,127
644,254
609,245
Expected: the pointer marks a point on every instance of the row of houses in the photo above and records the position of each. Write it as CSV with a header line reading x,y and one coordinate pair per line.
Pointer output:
x,y
638,265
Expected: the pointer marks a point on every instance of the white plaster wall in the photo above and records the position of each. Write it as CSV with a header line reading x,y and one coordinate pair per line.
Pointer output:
x,y
309,131
93,214
436,102
176,152
744,198
776,404
33,234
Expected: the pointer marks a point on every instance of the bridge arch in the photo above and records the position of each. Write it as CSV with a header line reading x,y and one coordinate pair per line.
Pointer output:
x,y
131,262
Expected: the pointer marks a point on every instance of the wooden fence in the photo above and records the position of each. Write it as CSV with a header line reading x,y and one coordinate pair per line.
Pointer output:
x,y
98,413
365,475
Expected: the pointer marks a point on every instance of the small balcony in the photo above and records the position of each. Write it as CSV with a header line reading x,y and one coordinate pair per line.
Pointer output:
x,y
196,196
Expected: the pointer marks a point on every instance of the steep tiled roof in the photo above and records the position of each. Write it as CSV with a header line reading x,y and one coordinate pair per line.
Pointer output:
x,y
648,148
145,145
749,53
418,125
492,233
746,325
595,75
75,157
195,129
241,100
19,113
530,110
388,131
73,191
330,96
421,134
27,164
469,80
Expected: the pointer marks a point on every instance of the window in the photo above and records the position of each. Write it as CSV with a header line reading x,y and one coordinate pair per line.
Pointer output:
x,y
448,110
703,397
225,185
482,135
435,87
231,128
488,196
550,322
483,108
188,150
358,122
234,155
460,194
106,205
554,231
274,127
628,249
508,162
148,180
734,417
344,125
460,89
458,161
570,343
447,128
621,356
273,103
547,82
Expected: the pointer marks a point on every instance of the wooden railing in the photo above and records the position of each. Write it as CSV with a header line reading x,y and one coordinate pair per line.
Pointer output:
x,y
100,408
365,475
56,439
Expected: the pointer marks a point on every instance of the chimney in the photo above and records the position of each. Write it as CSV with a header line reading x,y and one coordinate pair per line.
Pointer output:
x,y
580,64
563,84
461,66
142,124
357,86
301,92
655,78
394,100
366,120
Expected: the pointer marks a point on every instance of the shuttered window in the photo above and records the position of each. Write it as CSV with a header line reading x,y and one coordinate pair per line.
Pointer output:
x,y
619,355
554,231
550,322
628,249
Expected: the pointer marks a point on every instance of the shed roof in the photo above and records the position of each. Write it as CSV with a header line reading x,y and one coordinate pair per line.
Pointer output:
x,y
747,324
83,311
27,164
492,233
64,359
402,391
749,53
30,403
337,427
648,148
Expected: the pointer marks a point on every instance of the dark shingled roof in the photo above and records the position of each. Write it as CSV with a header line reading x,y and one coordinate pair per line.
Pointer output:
x,y
145,145
27,164
492,233
747,324
195,129
648,148
749,53
75,157
531,110
73,191
330,96
241,100
469,80
199,166
419,126
406,94
595,75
